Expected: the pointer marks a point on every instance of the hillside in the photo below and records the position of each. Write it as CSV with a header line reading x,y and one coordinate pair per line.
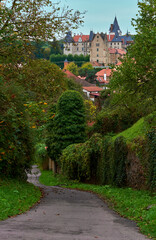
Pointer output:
x,y
140,128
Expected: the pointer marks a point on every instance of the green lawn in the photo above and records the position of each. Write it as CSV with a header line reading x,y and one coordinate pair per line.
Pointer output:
x,y
139,206
16,197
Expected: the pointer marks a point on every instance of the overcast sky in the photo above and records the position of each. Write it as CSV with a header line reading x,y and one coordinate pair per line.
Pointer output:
x,y
100,14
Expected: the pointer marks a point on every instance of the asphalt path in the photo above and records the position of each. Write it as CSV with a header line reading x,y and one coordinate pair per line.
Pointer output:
x,y
65,214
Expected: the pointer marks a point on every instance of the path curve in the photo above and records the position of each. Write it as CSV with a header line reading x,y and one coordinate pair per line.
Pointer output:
x,y
65,214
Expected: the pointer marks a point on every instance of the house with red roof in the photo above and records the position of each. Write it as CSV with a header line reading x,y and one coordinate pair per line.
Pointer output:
x,y
92,92
103,76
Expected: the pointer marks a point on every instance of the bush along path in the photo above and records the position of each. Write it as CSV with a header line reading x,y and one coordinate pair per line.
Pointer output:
x,y
68,214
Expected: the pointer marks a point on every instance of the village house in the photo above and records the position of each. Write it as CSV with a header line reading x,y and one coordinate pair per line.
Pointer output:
x,y
103,77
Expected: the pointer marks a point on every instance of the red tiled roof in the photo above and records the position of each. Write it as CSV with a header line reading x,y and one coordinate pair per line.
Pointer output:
x,y
94,64
93,89
110,38
80,81
83,78
119,63
95,94
120,51
101,80
112,50
104,71
69,74
84,38
116,50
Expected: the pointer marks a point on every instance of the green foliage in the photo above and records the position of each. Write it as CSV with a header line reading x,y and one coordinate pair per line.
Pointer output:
x,y
16,145
73,68
42,79
41,153
43,50
113,121
16,35
120,158
152,158
87,65
138,206
16,197
140,128
105,165
68,125
134,80
96,161
79,161
60,58
73,85
89,73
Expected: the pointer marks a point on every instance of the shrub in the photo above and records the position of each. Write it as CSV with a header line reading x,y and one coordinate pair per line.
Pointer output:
x,y
80,161
113,121
67,126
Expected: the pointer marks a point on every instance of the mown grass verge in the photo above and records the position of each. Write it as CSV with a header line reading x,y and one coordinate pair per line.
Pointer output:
x,y
16,197
139,206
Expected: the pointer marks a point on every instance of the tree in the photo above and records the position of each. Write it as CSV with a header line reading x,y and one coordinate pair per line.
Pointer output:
x,y
16,146
134,80
23,22
87,65
72,67
67,126
29,20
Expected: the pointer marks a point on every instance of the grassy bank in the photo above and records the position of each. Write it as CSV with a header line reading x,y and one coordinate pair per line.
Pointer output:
x,y
139,206
16,197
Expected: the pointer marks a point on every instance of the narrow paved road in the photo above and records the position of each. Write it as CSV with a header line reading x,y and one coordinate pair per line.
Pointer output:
x,y
68,215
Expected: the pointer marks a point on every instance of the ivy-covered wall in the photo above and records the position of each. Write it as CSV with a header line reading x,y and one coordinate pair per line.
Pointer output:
x,y
104,161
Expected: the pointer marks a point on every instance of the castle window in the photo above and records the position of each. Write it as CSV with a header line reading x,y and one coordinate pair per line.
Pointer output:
x,y
97,49
77,49
97,55
97,36
97,44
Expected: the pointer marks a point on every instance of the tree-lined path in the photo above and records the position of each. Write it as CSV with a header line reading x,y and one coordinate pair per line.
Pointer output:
x,y
65,214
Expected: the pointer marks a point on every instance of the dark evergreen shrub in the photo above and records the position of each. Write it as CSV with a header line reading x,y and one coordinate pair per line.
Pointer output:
x,y
67,126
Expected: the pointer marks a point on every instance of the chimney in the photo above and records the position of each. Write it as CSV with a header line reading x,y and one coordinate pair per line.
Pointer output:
x,y
65,63
105,77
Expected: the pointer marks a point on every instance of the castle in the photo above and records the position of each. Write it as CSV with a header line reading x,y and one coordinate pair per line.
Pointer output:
x,y
104,49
